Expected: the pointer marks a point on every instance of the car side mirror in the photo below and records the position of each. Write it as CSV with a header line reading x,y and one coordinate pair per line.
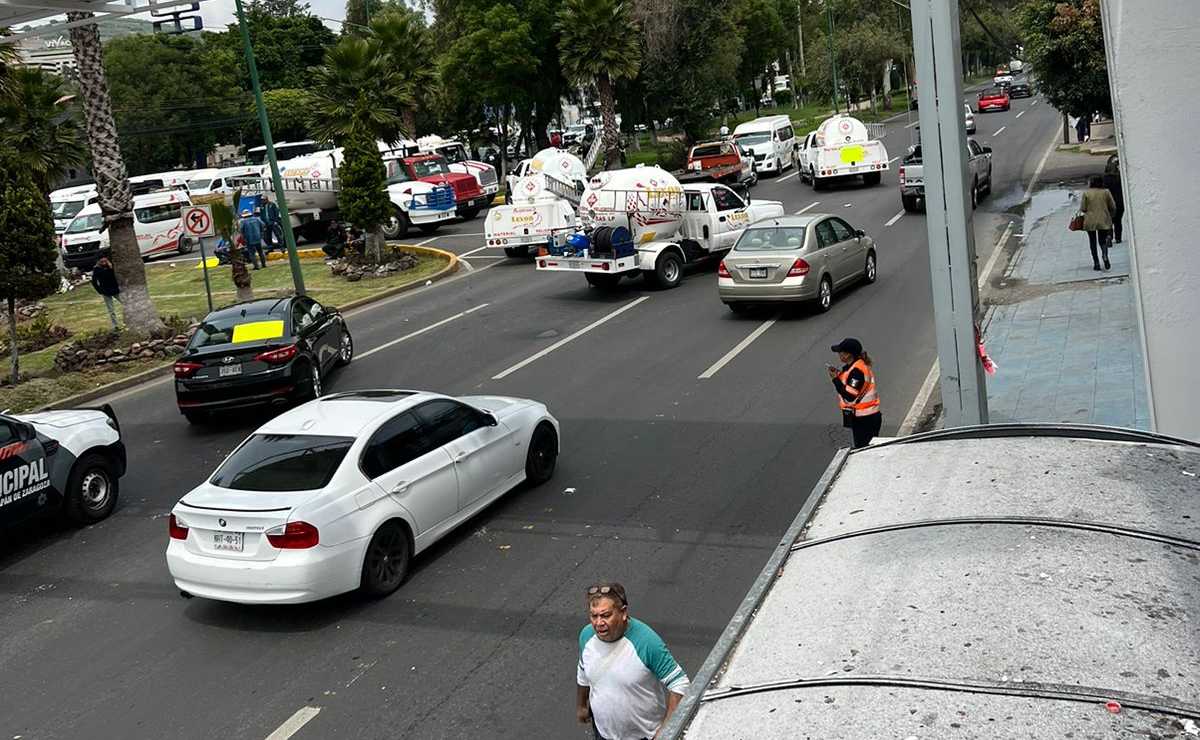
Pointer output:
x,y
26,431
859,233
490,419
987,150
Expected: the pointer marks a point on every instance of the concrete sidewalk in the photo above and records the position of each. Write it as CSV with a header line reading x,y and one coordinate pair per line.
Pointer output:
x,y
1064,336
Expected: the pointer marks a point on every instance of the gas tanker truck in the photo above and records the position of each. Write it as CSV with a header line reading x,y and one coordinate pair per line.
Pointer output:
x,y
543,203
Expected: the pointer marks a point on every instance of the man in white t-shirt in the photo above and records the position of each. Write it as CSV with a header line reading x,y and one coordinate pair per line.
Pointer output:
x,y
629,683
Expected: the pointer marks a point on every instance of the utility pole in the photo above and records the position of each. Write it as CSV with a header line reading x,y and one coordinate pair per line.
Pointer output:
x,y
289,238
948,211
833,58
800,36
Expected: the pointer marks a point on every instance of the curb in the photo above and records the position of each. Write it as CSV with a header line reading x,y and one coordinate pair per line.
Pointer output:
x,y
162,371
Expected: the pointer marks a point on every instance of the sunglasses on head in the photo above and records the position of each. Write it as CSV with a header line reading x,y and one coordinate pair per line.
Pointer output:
x,y
601,590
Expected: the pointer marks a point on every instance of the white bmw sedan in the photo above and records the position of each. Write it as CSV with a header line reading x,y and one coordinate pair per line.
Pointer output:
x,y
340,493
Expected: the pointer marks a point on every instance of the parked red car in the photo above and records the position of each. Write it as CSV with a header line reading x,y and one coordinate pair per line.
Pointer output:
x,y
433,168
994,98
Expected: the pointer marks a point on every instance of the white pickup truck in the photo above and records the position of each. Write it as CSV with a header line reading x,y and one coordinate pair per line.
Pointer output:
x,y
840,148
641,221
912,175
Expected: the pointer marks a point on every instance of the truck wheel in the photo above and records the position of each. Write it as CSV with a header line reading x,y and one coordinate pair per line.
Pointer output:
x,y
397,226
909,202
872,178
603,282
517,252
817,182
667,272
468,214
91,490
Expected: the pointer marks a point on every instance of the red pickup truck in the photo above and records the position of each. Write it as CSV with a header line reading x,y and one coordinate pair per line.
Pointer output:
x,y
433,168
722,161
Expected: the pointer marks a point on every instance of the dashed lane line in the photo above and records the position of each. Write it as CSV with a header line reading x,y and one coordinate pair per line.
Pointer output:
x,y
303,716
716,366
1022,113
421,331
999,130
894,219
567,340
787,177
810,206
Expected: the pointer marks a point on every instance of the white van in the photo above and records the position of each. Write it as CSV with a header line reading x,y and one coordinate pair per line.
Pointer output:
x,y
771,140
68,202
157,224
214,180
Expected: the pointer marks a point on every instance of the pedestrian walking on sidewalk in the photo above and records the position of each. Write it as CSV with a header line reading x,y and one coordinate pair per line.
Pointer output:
x,y
251,229
1112,181
1098,206
628,681
858,397
104,280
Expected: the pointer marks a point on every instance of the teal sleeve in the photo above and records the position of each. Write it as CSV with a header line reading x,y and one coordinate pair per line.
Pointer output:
x,y
656,657
585,634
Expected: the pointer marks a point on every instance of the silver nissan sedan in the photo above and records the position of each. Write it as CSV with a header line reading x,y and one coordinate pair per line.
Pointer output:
x,y
795,258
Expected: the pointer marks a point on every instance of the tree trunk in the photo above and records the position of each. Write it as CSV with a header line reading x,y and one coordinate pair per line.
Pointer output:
x,y
608,121
12,340
376,244
241,276
408,119
112,182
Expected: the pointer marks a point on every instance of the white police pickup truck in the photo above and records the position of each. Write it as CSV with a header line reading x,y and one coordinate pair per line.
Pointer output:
x,y
66,462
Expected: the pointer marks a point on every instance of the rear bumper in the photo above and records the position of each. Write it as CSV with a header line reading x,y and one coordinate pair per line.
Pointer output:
x,y
275,387
733,292
293,577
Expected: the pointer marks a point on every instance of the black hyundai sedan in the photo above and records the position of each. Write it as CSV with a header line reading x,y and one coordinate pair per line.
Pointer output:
x,y
266,352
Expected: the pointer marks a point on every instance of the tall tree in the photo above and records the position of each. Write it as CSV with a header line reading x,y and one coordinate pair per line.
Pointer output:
x,y
287,108
351,105
286,49
9,59
358,17
408,44
112,182
761,26
279,8
28,255
599,44
1064,41
40,126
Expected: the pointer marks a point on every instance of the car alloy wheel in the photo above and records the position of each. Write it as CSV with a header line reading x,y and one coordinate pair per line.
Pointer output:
x,y
870,268
543,455
825,297
386,562
346,354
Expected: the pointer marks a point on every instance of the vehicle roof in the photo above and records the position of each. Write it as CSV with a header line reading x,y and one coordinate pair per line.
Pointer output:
x,y
206,172
993,91
159,198
342,415
762,123
1005,578
278,144
71,192
257,307
242,169
788,222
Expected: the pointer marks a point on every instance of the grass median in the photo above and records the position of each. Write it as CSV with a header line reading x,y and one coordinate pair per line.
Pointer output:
x,y
178,290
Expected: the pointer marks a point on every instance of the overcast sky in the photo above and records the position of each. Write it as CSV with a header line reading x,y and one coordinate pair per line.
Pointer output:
x,y
219,13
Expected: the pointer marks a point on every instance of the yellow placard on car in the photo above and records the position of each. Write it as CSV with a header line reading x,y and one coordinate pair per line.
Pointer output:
x,y
257,331
853,153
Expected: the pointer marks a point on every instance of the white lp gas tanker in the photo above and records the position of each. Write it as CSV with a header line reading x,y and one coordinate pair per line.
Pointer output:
x,y
641,221
841,147
543,202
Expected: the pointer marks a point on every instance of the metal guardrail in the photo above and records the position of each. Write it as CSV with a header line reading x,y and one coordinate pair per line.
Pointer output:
x,y
594,151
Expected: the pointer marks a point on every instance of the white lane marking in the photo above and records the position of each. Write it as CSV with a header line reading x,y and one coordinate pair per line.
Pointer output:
x,y
996,252
810,206
914,123
893,159
1022,113
1000,131
423,243
787,177
1037,174
473,251
566,340
894,219
737,349
303,716
848,205
1033,104
419,332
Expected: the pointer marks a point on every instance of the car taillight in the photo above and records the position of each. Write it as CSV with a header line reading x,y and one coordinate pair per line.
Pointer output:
x,y
186,369
294,536
722,270
799,269
277,356
177,530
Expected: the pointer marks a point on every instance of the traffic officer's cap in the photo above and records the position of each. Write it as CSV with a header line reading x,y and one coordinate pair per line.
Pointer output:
x,y
849,345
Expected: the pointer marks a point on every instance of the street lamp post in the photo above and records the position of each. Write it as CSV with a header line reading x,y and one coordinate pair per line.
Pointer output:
x,y
289,238
832,57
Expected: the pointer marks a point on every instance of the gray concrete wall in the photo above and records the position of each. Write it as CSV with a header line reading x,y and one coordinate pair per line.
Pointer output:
x,y
1152,61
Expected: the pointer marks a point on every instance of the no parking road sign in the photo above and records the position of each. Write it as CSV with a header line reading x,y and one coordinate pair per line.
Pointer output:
x,y
198,221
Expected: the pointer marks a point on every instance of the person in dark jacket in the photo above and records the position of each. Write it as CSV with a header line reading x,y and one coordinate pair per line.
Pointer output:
x,y
104,280
1112,181
273,233
251,229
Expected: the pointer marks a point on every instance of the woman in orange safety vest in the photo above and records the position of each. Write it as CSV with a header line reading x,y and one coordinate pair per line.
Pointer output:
x,y
857,395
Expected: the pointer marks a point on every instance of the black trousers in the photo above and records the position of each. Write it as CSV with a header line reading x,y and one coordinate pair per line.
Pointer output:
x,y
1105,238
865,428
1117,216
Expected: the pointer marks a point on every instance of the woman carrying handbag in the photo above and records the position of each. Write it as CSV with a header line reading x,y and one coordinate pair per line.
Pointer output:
x,y
1097,208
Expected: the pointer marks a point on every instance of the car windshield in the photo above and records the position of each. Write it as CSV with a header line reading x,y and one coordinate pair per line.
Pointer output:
x,y
994,92
194,185
224,329
453,154
86,223
761,137
398,174
283,462
711,150
427,167
771,239
66,208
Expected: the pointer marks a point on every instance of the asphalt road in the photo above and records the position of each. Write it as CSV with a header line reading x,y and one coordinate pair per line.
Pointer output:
x,y
675,485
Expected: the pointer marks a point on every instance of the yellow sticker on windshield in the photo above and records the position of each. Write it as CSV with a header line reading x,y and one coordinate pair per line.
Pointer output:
x,y
257,331
853,154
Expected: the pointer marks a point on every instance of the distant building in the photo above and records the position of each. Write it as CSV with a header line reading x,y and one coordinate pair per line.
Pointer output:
x,y
51,52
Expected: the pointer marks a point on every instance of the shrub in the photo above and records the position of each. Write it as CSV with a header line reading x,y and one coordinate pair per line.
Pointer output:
x,y
37,334
783,97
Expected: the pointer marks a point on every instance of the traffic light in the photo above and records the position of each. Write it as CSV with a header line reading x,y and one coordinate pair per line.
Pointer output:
x,y
177,22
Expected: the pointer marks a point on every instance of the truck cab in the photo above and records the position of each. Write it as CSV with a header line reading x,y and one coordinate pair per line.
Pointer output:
x,y
722,161
415,203
458,160
433,169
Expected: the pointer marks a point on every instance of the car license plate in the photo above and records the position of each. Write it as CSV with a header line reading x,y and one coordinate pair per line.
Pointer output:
x,y
228,541
758,273
228,370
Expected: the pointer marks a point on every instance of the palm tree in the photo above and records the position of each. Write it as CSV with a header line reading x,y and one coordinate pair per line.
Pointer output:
x,y
597,44
112,182
405,39
39,126
353,104
9,58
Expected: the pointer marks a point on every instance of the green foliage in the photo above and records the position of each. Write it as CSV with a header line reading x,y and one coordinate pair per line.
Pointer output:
x,y
40,126
287,109
408,45
783,97
169,111
362,178
354,95
597,39
278,8
762,29
27,242
866,35
286,49
37,334
1064,41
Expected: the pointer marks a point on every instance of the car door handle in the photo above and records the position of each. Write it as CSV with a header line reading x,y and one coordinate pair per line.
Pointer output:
x,y
401,487
461,455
